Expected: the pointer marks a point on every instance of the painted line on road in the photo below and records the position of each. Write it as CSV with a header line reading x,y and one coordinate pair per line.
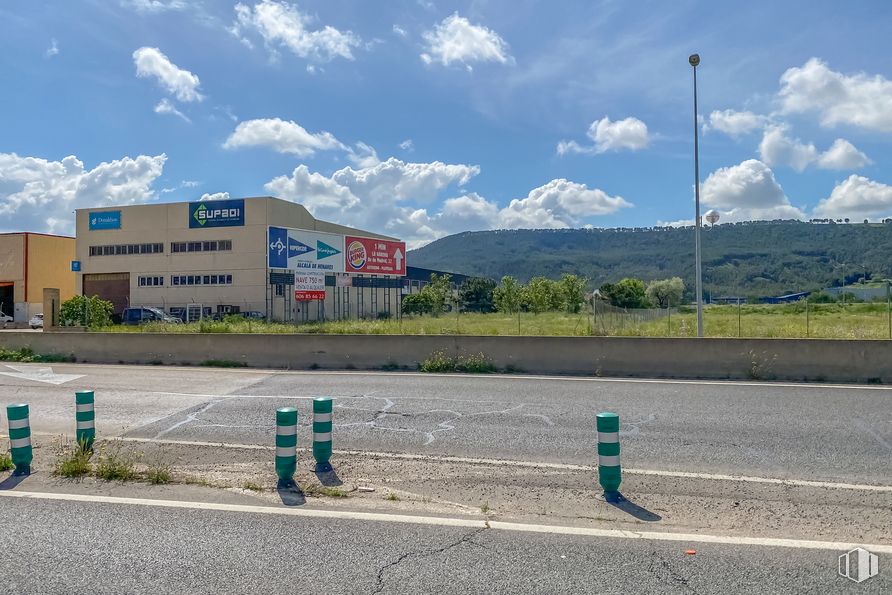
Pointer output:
x,y
278,372
456,522
532,464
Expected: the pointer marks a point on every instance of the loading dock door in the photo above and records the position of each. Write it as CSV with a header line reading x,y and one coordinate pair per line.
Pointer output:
x,y
114,287
7,297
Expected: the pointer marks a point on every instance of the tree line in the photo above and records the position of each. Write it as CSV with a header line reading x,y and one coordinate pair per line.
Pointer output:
x,y
567,294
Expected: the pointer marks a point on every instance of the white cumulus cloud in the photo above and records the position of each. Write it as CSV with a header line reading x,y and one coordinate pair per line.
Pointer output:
x,y
215,196
777,148
859,99
857,198
456,40
39,195
747,192
284,136
628,134
53,50
734,123
151,62
559,203
395,197
843,155
281,24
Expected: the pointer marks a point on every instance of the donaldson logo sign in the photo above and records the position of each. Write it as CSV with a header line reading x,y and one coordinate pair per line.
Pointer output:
x,y
105,219
217,213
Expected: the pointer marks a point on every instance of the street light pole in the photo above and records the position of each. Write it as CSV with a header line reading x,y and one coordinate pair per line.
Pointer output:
x,y
694,61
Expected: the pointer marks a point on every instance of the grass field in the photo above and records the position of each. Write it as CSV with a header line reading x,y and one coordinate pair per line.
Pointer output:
x,y
853,321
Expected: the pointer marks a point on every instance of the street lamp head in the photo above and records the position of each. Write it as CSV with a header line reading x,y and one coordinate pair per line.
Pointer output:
x,y
694,60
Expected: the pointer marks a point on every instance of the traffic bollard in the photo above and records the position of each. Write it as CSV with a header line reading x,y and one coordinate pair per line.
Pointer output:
x,y
85,416
20,438
609,471
286,445
322,433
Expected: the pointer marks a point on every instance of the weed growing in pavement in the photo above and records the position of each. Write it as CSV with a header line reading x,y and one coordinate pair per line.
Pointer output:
x,y
195,480
72,460
250,485
318,490
222,363
392,497
485,508
477,363
27,355
113,465
158,474
5,462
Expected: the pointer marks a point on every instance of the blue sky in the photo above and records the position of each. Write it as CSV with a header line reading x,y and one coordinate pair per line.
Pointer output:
x,y
423,118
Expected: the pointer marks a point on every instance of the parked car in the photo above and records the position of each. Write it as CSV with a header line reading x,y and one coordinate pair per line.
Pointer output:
x,y
142,315
36,321
4,318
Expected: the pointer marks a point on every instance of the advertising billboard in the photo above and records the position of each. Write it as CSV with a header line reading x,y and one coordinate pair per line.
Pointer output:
x,y
105,220
309,286
375,257
305,251
217,213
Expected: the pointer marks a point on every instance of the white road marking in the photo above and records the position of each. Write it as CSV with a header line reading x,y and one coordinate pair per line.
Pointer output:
x,y
40,374
456,522
532,464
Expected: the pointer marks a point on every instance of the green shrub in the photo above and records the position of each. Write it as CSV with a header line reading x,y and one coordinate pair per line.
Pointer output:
x,y
72,461
5,462
81,310
477,363
159,474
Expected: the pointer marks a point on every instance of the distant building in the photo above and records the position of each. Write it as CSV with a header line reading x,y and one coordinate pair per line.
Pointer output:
x,y
784,299
729,299
29,263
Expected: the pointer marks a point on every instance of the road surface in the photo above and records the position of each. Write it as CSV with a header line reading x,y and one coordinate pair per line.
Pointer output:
x,y
76,547
783,431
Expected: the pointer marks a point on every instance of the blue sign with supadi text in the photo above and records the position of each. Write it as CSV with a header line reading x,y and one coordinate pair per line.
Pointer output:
x,y
217,213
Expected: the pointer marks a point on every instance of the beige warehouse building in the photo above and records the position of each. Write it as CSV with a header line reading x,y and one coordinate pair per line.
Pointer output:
x,y
29,263
203,258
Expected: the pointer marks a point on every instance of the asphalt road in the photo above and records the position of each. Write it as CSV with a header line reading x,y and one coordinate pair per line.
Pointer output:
x,y
78,547
785,431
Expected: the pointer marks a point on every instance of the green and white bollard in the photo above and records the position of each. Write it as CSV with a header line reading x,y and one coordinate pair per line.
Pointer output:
x,y
20,438
286,445
322,409
609,471
85,416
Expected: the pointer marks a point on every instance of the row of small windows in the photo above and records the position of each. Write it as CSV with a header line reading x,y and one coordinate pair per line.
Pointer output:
x,y
209,246
123,249
220,279
151,281
158,281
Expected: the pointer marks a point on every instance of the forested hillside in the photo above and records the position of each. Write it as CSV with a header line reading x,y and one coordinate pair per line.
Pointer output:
x,y
749,259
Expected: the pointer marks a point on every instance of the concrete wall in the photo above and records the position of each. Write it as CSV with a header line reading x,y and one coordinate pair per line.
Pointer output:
x,y
782,359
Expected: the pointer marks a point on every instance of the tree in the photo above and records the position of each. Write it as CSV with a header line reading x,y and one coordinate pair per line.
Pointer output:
x,y
508,295
476,294
439,292
664,293
86,311
417,303
540,295
628,293
572,292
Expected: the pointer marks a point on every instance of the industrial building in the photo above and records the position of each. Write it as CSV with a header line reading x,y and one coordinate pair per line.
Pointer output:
x,y
29,263
262,254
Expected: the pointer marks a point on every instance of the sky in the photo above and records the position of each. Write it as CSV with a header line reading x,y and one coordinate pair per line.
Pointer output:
x,y
422,118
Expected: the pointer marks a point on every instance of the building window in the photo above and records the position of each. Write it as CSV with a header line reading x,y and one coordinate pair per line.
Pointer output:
x,y
151,281
126,249
206,246
218,279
